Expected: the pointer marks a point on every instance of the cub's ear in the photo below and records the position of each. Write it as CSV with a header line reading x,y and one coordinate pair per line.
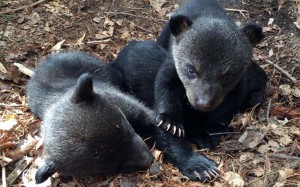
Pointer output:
x,y
84,89
179,24
253,32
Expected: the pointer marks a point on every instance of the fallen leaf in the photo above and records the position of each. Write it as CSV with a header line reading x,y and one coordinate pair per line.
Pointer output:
x,y
271,20
157,5
251,139
20,167
286,140
2,68
258,172
233,179
8,125
246,156
263,148
80,40
281,112
57,46
285,89
24,69
257,183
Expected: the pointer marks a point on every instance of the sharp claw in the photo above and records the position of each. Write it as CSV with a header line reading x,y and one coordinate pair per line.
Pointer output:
x,y
168,127
179,132
216,168
197,175
216,173
174,130
160,123
211,173
207,175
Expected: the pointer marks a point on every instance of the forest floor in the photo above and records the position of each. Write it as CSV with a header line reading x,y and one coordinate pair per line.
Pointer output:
x,y
265,151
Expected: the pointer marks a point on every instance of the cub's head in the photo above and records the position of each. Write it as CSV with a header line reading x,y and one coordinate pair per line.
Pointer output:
x,y
85,126
211,56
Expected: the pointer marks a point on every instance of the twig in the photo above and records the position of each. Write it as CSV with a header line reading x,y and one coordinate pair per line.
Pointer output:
x,y
128,14
23,7
284,157
236,10
3,172
268,109
139,27
223,133
293,79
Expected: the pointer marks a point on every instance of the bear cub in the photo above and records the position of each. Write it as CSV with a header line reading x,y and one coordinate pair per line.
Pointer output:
x,y
85,132
208,75
87,118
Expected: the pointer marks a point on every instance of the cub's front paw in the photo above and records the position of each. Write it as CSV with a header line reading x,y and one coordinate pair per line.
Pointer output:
x,y
170,126
199,167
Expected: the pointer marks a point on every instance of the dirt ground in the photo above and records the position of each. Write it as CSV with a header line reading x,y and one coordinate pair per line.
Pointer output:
x,y
264,151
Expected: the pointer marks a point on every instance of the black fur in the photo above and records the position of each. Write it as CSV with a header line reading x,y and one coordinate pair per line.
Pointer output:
x,y
85,130
198,124
87,124
204,80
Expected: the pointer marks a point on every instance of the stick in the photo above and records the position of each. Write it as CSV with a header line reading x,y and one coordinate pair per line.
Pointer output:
x,y
23,7
3,172
293,79
268,110
235,10
128,14
284,157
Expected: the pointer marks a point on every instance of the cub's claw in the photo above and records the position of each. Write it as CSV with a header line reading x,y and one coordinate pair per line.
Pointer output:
x,y
197,175
160,123
167,125
207,175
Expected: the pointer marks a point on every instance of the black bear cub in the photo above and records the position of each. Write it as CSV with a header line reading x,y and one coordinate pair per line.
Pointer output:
x,y
85,133
88,123
207,75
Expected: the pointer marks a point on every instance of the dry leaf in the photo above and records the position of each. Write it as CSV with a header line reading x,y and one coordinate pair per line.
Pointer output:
x,y
246,156
271,20
156,154
233,179
57,46
263,148
20,167
281,112
2,68
80,40
24,69
258,172
251,139
286,140
8,125
157,5
285,89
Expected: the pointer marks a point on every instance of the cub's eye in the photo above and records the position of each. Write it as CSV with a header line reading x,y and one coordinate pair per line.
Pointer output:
x,y
191,70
